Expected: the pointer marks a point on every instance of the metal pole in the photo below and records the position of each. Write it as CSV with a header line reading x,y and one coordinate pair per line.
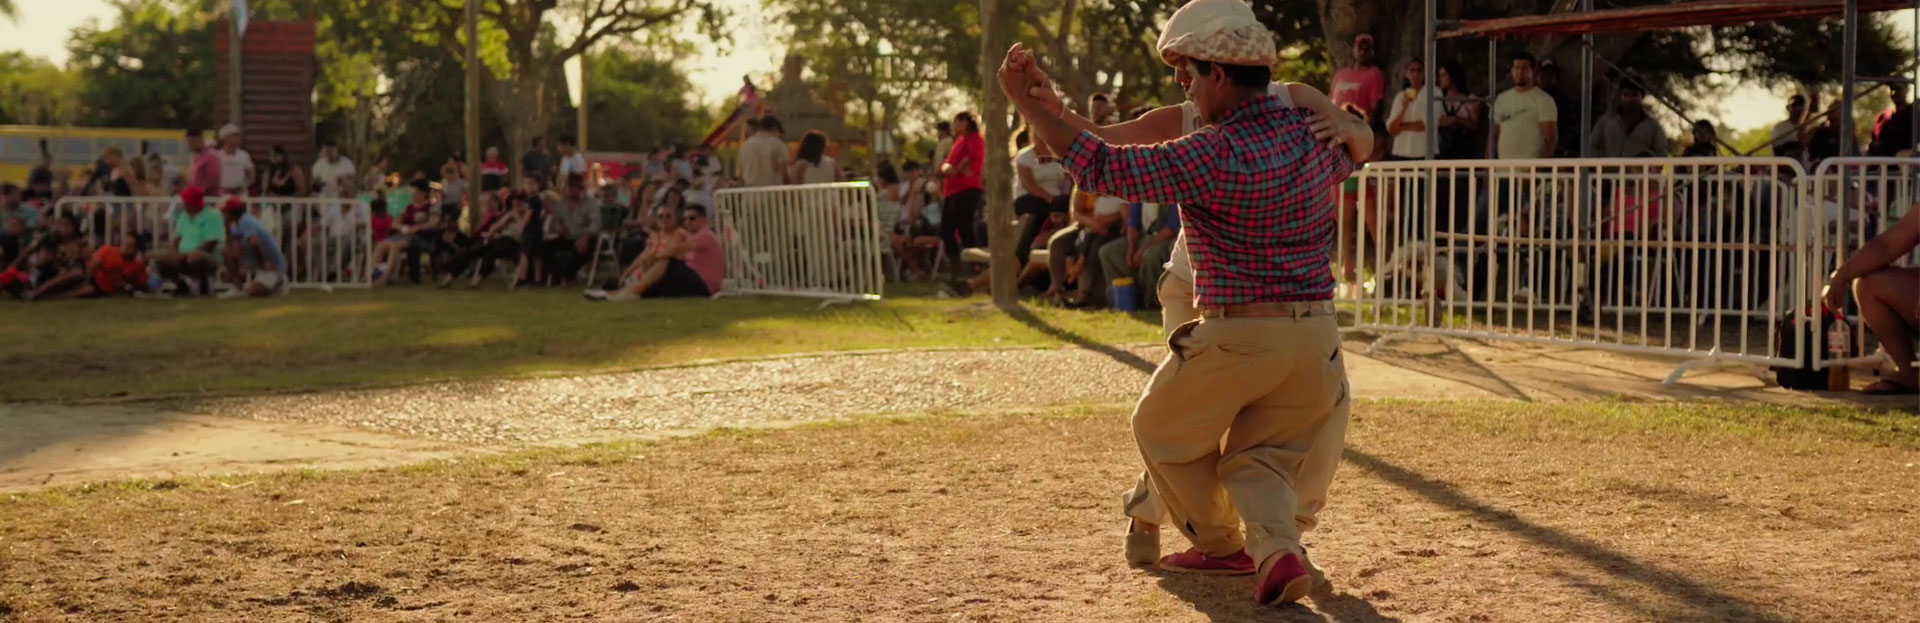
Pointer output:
x,y
235,37
1850,43
1430,66
1913,88
474,152
586,61
1586,87
1493,92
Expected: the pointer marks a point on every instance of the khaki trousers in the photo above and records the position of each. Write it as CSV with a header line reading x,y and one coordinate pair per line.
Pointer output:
x,y
1322,453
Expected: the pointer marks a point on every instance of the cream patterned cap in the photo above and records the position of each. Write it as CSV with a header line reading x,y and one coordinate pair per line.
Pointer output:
x,y
1217,31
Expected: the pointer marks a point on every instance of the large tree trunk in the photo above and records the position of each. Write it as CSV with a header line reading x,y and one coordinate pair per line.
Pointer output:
x,y
994,16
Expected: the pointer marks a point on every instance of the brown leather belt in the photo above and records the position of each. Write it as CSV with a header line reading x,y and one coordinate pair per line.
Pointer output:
x,y
1300,309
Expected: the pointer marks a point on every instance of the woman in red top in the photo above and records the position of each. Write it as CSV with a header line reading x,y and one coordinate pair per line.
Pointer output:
x,y
962,190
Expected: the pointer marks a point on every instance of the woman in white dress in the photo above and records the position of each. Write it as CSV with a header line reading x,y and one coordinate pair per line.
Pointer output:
x,y
812,165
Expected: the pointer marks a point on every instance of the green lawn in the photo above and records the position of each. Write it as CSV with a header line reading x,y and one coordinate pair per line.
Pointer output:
x,y
98,349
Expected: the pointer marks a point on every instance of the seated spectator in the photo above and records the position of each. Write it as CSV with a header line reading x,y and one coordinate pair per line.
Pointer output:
x,y
414,233
706,257
493,172
916,236
56,266
1888,297
635,227
255,265
495,240
116,269
14,239
1038,178
1143,254
577,217
340,228
1031,270
661,271
1706,141
15,206
1096,220
201,237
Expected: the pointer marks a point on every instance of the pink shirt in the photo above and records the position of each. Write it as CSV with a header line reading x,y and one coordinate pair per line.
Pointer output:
x,y
206,171
706,259
1360,86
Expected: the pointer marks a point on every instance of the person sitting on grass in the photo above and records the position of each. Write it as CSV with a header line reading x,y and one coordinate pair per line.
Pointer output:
x,y
201,236
61,267
116,269
255,265
661,271
1888,297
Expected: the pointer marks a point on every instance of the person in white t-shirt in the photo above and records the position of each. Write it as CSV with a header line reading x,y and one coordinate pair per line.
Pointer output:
x,y
331,170
1038,177
1526,121
236,165
572,163
1407,123
812,165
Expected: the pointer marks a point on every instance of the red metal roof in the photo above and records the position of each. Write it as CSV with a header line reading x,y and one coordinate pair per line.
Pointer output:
x,y
1675,15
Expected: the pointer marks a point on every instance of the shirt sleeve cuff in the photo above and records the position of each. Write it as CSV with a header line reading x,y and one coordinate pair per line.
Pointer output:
x,y
1081,155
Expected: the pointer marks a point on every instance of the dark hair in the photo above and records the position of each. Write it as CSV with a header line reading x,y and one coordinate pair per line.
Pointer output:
x,y
1021,139
1524,55
770,122
909,166
1243,76
1797,99
1456,71
813,146
886,173
973,125
1708,125
328,143
1100,97
944,126
139,244
696,209
1139,111
191,133
566,141
1631,86
1062,203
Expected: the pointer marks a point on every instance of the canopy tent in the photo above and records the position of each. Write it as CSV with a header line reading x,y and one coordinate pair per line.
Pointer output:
x,y
1696,13
1676,15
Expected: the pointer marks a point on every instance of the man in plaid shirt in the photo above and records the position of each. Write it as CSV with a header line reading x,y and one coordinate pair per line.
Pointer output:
x,y
1262,366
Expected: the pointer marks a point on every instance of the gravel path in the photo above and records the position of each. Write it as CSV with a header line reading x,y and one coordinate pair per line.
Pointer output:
x,y
730,394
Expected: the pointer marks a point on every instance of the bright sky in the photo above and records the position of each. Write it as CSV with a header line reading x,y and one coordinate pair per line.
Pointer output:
x,y
43,27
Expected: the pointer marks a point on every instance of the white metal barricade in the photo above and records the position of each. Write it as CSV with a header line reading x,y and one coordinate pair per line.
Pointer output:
x,y
327,242
1852,200
818,240
1687,257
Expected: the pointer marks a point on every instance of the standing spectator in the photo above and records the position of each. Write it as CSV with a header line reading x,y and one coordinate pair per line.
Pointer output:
x,y
537,164
812,165
255,265
1794,129
1824,141
1363,85
678,165
205,175
763,158
962,192
331,171
1038,177
282,178
40,180
1526,121
1407,123
942,145
237,173
573,164
493,172
1566,142
201,237
1460,120
1893,129
1628,131
1706,141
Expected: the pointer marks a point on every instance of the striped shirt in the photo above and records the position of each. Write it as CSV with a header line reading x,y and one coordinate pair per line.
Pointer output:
x,y
1256,195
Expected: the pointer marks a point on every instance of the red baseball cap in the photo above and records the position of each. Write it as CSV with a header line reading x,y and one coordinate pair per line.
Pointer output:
x,y
234,204
193,197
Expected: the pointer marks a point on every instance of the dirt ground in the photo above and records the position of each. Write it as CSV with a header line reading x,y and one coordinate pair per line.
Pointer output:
x,y
70,444
1477,511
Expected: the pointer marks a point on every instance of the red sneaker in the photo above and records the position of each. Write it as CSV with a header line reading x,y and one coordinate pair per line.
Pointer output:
x,y
1284,581
1192,561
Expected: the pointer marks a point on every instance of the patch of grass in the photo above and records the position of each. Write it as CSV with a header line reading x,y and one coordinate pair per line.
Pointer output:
x,y
103,349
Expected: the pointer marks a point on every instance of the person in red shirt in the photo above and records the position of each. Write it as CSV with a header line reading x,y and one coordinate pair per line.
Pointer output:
x,y
962,191
115,269
206,164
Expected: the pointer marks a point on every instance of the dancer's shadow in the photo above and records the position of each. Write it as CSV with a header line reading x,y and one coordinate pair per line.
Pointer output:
x,y
1230,600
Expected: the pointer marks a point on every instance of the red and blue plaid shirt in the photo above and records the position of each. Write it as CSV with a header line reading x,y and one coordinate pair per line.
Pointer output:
x,y
1256,194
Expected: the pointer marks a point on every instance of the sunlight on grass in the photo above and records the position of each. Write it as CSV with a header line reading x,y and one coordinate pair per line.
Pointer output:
x,y
470,336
